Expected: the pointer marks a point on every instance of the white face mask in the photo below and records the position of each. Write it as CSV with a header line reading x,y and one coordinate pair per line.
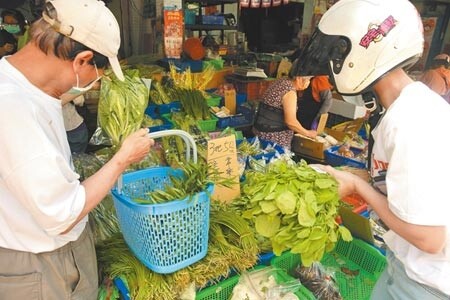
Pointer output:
x,y
81,90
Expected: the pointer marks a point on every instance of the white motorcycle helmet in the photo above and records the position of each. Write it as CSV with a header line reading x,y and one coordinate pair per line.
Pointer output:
x,y
358,41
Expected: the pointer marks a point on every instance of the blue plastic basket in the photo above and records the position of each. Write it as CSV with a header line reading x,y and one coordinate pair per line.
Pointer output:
x,y
334,159
243,117
162,109
164,237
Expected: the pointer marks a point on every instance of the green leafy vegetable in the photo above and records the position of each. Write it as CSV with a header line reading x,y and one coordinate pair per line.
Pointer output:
x,y
121,105
267,225
294,207
286,202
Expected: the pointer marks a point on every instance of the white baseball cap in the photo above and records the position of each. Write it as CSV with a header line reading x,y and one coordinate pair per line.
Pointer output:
x,y
90,23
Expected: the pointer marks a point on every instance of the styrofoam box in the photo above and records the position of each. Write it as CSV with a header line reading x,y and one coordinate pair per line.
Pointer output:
x,y
348,110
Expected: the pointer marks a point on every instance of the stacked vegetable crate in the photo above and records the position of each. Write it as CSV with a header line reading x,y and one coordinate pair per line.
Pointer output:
x,y
243,117
356,265
224,289
267,149
163,111
333,158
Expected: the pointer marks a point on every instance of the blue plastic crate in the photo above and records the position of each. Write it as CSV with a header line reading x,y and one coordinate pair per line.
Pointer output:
x,y
151,111
164,126
268,156
243,117
240,98
123,290
334,159
213,19
265,258
165,237
265,144
162,109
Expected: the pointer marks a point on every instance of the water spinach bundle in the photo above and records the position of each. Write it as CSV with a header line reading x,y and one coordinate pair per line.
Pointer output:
x,y
295,207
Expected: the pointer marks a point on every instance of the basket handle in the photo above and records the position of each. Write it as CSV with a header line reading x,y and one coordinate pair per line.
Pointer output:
x,y
187,138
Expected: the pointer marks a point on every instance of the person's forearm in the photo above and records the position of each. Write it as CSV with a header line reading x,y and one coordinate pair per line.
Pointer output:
x,y
297,128
98,185
327,100
429,239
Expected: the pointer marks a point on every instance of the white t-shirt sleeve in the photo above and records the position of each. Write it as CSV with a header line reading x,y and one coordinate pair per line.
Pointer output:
x,y
417,177
37,171
50,191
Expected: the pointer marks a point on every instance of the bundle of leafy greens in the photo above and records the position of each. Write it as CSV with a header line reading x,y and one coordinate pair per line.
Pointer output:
x,y
231,245
121,105
294,207
103,216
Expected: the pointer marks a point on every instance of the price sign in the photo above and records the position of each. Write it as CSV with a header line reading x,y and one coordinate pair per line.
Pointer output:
x,y
222,156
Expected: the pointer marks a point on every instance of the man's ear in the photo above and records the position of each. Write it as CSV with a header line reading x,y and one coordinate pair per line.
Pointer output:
x,y
82,59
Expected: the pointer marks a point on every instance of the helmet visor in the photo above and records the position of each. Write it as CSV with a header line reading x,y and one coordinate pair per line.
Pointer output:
x,y
319,52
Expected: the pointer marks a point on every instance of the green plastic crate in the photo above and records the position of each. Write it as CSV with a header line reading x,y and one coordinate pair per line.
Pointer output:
x,y
354,255
208,125
224,289
213,100
219,291
204,125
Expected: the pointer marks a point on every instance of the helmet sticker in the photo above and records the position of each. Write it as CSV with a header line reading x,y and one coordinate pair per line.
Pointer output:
x,y
377,32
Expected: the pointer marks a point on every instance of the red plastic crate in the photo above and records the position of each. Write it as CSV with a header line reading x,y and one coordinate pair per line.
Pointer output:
x,y
359,206
253,88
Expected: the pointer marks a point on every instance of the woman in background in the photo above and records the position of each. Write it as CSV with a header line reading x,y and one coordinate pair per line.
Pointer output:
x,y
276,120
8,43
15,23
315,101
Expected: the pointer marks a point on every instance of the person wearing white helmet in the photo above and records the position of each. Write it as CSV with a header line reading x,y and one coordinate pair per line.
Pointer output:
x,y
46,246
366,45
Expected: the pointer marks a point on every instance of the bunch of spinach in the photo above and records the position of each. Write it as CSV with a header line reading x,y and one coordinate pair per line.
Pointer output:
x,y
295,207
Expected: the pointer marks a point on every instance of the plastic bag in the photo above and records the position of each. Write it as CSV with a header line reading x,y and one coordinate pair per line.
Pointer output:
x,y
121,106
319,281
261,284
284,291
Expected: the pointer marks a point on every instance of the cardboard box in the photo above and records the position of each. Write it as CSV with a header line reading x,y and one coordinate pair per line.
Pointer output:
x,y
309,147
217,79
337,134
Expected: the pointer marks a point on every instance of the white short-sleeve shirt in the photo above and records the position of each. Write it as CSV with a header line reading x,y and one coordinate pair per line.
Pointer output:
x,y
410,150
40,194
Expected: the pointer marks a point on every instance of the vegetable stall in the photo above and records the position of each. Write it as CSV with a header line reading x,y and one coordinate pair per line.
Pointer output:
x,y
284,226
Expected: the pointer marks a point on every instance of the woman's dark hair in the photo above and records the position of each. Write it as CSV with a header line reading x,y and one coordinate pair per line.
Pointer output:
x,y
436,63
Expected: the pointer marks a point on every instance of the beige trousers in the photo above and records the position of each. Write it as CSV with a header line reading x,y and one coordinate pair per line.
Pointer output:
x,y
69,272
